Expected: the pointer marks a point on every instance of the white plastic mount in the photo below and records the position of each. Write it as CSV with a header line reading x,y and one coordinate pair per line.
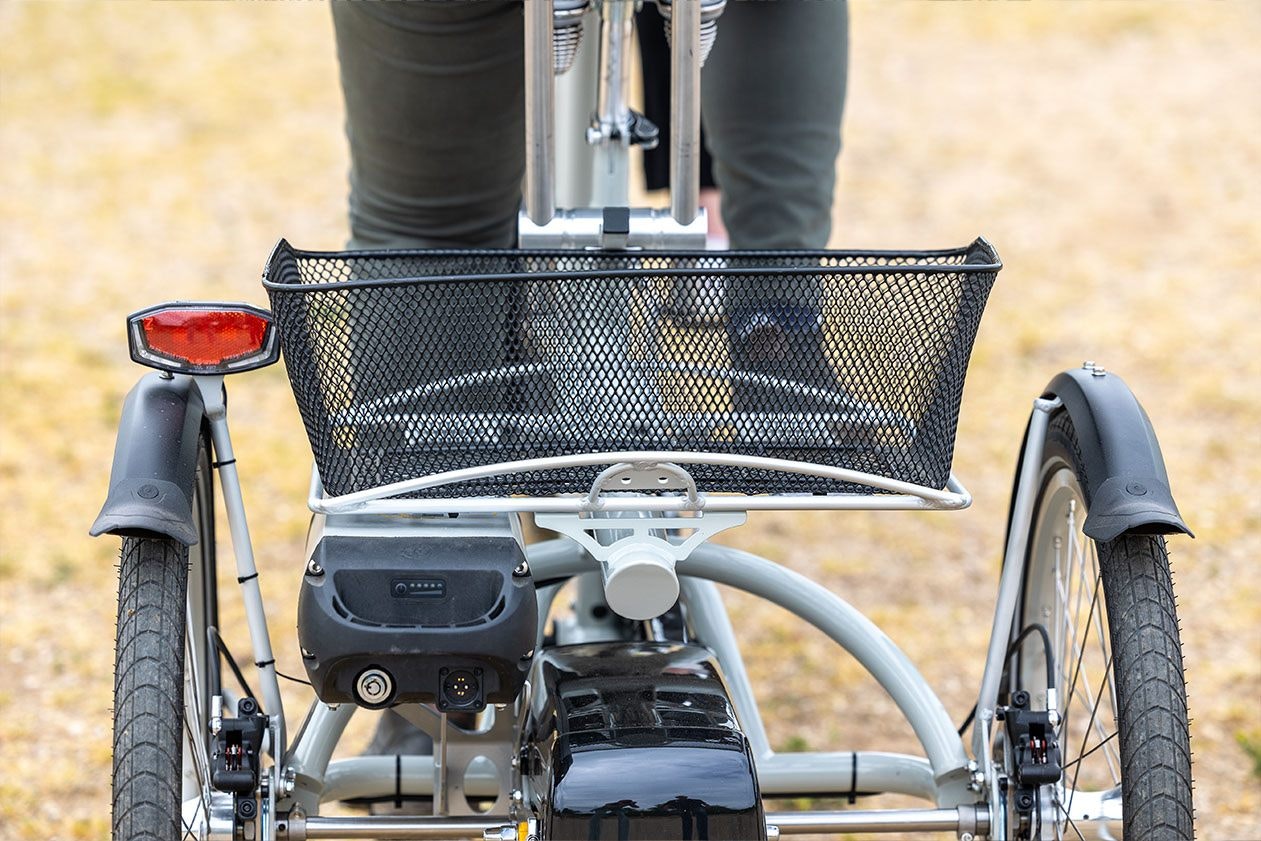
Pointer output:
x,y
638,550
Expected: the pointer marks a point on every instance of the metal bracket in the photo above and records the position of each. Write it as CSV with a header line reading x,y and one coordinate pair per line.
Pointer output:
x,y
605,536
650,228
584,530
637,554
455,749
643,476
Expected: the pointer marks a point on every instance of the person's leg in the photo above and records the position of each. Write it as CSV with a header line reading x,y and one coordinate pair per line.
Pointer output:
x,y
772,94
435,118
435,115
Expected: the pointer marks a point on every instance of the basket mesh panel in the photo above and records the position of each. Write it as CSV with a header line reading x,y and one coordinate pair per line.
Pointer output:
x,y
406,364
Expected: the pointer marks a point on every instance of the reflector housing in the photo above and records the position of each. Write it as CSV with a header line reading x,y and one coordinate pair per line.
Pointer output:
x,y
203,338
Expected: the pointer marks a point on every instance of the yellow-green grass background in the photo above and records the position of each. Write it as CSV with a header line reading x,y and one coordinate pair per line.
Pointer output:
x,y
1112,151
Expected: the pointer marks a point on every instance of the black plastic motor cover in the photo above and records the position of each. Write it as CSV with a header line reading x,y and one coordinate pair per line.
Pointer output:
x,y
638,741
449,620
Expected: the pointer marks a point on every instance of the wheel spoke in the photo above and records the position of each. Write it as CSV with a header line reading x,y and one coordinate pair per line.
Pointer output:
x,y
1072,686
1085,736
1104,650
1077,583
1061,594
188,828
1091,703
195,725
1094,619
1069,818
1110,737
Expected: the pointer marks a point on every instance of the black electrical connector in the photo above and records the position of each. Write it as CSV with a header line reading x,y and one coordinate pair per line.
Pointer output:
x,y
461,690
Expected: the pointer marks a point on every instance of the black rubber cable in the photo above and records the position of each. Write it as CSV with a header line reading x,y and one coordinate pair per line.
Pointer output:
x,y
1011,649
292,678
214,679
1046,645
222,646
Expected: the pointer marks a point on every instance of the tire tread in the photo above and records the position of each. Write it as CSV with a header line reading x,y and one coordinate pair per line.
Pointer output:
x,y
149,689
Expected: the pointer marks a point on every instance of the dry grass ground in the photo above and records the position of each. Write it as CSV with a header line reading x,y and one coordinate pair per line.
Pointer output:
x,y
1111,151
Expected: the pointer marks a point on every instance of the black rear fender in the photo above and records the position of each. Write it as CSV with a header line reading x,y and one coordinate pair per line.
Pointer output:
x,y
1127,485
155,460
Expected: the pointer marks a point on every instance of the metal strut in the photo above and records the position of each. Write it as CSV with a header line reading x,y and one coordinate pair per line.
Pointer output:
x,y
964,821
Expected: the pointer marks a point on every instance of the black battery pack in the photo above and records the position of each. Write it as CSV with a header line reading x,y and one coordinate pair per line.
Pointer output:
x,y
449,621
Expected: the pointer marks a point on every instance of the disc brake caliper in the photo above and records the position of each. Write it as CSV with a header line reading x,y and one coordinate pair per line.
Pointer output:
x,y
235,763
1035,753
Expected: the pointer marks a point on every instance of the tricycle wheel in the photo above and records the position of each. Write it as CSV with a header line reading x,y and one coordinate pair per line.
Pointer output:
x,y
1109,611
162,674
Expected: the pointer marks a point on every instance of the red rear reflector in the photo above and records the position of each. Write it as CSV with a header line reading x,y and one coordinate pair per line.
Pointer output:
x,y
203,338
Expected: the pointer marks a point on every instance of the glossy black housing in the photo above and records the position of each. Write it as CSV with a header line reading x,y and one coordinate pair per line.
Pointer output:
x,y
639,741
468,613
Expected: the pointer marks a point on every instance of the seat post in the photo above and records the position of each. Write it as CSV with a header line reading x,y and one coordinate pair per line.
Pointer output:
x,y
685,110
540,113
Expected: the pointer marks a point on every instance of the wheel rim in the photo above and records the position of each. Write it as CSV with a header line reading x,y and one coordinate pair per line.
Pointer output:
x,y
195,768
1064,592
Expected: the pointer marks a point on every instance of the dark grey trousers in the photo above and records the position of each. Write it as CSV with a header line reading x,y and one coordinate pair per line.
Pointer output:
x,y
435,118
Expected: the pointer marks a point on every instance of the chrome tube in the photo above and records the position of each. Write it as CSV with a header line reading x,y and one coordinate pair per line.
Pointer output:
x,y
882,820
612,109
575,103
685,110
540,113
609,133
391,827
787,823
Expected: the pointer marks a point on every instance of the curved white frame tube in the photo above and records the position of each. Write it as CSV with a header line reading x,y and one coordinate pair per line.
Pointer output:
x,y
831,614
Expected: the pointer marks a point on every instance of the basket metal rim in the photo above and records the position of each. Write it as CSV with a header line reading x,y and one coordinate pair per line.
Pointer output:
x,y
900,494
284,249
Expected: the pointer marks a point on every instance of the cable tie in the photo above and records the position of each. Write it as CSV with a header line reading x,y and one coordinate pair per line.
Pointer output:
x,y
853,777
398,781
250,577
262,664
217,464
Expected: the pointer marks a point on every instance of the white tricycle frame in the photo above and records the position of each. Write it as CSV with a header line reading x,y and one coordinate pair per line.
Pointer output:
x,y
617,537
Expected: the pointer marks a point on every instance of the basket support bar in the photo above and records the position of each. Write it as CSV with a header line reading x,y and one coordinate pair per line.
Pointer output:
x,y
898,495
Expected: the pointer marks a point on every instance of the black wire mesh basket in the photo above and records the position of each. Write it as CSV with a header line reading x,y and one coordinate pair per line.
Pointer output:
x,y
407,364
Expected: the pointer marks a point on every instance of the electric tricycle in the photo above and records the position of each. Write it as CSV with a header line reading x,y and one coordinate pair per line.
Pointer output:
x,y
629,392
